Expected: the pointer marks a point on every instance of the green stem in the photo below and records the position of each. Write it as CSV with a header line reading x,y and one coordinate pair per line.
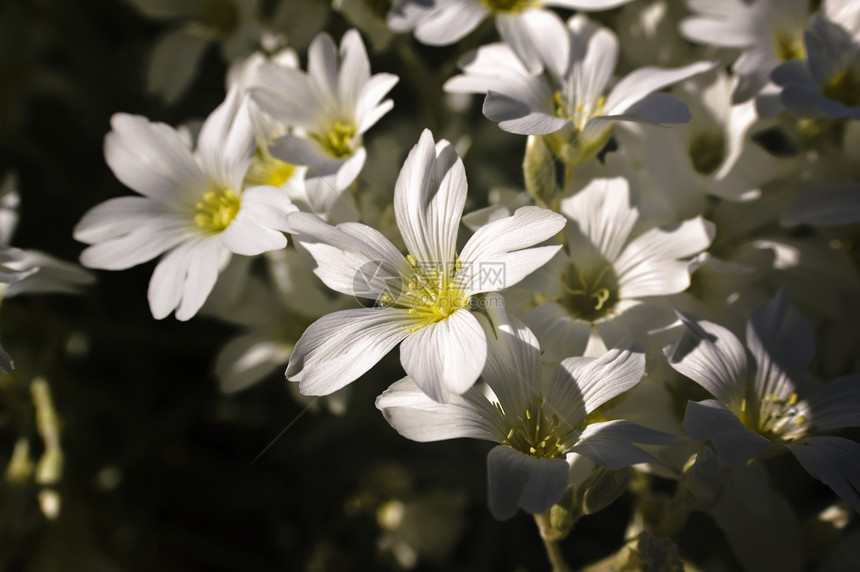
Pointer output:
x,y
550,540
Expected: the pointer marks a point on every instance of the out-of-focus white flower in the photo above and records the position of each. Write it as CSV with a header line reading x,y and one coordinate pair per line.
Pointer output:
x,y
604,288
273,314
423,299
569,101
195,206
827,82
538,421
833,199
371,17
521,23
712,154
650,32
768,31
332,106
771,407
173,64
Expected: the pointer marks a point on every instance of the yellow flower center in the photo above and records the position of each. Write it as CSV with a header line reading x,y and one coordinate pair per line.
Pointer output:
x,y
707,151
777,419
338,141
433,293
216,210
579,114
510,6
844,87
788,46
590,293
536,432
266,170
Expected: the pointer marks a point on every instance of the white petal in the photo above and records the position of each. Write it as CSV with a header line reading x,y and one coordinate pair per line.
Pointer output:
x,y
491,67
322,65
587,5
515,480
833,461
267,206
138,245
340,347
828,205
447,357
354,69
165,286
205,261
713,357
351,258
709,420
247,237
645,80
526,111
836,404
581,385
151,158
600,216
302,151
655,108
651,264
560,334
782,344
513,369
611,444
759,524
226,142
116,217
369,108
428,200
539,38
415,416
507,245
450,23
286,94
247,359
594,54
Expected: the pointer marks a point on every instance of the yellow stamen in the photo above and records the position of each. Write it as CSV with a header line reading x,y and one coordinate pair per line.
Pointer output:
x,y
216,210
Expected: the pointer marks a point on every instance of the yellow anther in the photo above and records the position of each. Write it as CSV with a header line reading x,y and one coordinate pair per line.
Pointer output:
x,y
510,433
800,420
216,210
528,414
601,296
412,262
793,399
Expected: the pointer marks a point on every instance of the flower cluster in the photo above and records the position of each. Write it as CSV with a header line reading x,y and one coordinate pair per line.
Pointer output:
x,y
586,317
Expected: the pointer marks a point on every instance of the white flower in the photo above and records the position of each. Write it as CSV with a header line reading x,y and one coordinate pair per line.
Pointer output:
x,y
603,288
712,154
422,299
770,407
827,82
538,421
769,32
332,105
569,100
194,206
174,60
520,23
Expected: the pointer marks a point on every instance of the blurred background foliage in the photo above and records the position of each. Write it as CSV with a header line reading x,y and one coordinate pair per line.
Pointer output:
x,y
160,471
